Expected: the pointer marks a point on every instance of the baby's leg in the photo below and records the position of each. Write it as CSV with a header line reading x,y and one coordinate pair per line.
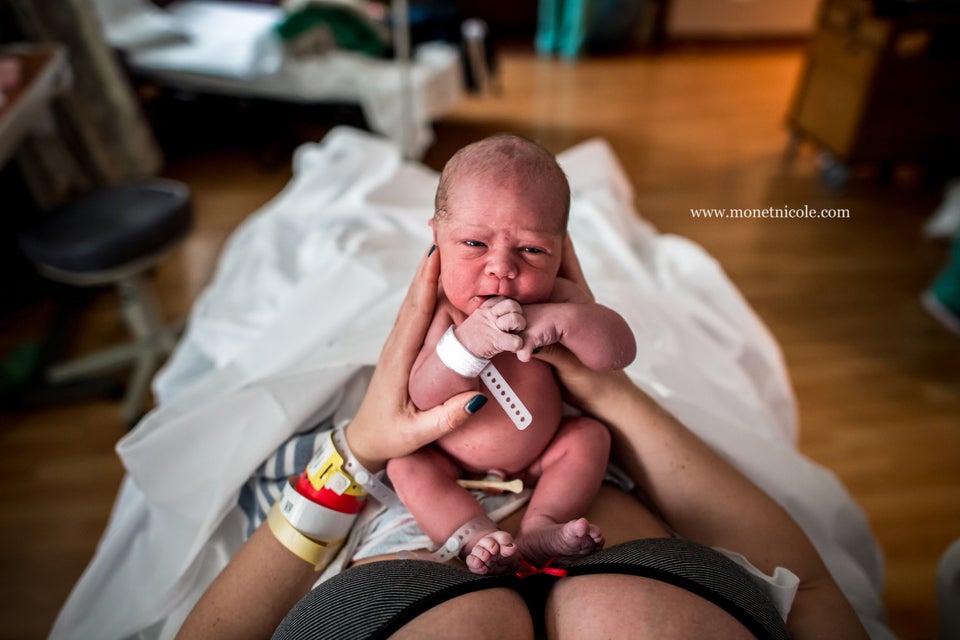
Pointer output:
x,y
570,471
426,482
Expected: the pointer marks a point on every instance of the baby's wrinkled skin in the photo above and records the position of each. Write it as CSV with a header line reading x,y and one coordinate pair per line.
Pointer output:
x,y
501,240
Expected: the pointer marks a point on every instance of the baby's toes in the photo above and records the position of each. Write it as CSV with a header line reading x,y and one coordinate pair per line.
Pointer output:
x,y
492,553
595,534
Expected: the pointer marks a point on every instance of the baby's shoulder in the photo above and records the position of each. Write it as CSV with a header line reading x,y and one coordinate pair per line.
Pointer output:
x,y
444,315
446,312
569,291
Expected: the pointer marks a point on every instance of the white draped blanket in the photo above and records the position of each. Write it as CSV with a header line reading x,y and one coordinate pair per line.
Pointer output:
x,y
304,295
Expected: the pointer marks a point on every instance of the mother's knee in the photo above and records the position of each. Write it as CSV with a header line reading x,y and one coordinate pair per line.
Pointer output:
x,y
494,614
624,606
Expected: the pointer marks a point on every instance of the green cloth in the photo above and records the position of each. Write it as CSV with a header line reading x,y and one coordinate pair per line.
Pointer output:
x,y
947,285
351,30
17,368
562,27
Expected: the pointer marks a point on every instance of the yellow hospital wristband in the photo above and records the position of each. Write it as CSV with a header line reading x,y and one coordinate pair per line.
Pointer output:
x,y
311,551
326,471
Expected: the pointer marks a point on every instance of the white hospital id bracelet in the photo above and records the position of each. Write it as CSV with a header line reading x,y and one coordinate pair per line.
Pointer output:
x,y
314,520
454,545
457,358
506,397
369,481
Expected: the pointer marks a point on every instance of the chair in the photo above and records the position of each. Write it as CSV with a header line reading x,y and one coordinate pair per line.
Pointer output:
x,y
113,236
948,593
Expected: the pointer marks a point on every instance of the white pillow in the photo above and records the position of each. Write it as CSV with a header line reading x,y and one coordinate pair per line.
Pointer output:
x,y
137,24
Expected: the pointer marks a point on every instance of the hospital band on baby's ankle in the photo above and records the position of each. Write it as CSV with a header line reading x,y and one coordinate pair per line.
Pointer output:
x,y
454,545
315,513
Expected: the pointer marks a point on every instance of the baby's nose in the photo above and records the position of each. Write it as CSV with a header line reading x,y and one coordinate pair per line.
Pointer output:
x,y
501,266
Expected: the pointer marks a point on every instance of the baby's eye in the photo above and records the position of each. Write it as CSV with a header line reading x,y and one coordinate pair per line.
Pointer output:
x,y
473,243
532,250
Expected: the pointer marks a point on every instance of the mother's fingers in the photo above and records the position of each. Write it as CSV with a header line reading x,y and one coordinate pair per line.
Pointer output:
x,y
570,266
440,420
405,339
386,423
584,387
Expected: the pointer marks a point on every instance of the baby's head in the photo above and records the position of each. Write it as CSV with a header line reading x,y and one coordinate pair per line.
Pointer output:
x,y
505,159
500,221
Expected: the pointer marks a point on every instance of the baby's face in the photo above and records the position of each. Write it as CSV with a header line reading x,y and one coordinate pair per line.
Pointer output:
x,y
499,238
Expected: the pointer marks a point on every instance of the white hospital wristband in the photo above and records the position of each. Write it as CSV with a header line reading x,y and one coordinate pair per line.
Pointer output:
x,y
314,520
457,358
506,397
370,482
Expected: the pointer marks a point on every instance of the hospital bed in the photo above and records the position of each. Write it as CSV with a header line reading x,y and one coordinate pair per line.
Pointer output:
x,y
234,49
285,336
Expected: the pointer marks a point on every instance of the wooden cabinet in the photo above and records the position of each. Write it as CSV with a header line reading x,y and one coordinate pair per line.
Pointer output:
x,y
881,83
736,19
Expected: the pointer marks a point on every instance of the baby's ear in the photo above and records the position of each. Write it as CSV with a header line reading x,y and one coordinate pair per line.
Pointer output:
x,y
433,227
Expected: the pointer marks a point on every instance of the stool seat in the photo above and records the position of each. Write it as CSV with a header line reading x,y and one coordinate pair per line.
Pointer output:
x,y
111,227
114,236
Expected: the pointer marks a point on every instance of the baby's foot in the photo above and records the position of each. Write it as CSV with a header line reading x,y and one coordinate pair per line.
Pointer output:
x,y
560,542
494,554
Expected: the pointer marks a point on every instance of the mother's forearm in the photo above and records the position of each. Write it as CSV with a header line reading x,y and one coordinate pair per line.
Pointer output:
x,y
706,499
699,493
252,594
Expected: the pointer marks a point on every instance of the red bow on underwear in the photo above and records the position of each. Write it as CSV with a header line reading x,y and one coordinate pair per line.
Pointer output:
x,y
530,570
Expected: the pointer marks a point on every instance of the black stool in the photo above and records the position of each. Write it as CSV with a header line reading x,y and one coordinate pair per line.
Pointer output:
x,y
112,237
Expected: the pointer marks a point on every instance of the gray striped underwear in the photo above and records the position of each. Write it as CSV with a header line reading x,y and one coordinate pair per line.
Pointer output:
x,y
373,601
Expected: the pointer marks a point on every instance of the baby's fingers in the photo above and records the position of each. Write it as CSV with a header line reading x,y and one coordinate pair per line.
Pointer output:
x,y
506,313
529,347
511,322
503,306
508,342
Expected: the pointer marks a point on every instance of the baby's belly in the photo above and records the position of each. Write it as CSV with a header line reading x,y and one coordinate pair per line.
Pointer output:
x,y
490,440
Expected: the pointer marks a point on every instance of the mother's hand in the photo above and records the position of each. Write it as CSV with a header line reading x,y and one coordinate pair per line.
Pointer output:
x,y
264,579
598,393
388,425
570,266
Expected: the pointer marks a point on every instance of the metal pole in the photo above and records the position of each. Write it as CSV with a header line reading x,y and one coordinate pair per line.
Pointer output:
x,y
401,48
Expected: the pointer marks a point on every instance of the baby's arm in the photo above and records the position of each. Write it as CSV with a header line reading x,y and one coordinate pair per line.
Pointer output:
x,y
486,332
597,335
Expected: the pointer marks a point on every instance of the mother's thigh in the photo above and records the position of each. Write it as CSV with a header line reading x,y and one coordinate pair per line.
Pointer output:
x,y
629,607
624,606
494,614
621,517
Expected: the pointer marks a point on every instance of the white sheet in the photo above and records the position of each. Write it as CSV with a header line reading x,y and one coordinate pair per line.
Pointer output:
x,y
304,295
230,48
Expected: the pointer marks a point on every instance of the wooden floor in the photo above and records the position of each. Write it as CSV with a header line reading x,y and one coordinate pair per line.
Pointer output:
x,y
878,381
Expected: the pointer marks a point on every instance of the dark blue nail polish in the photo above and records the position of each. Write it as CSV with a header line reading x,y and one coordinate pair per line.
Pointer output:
x,y
538,350
432,249
475,404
